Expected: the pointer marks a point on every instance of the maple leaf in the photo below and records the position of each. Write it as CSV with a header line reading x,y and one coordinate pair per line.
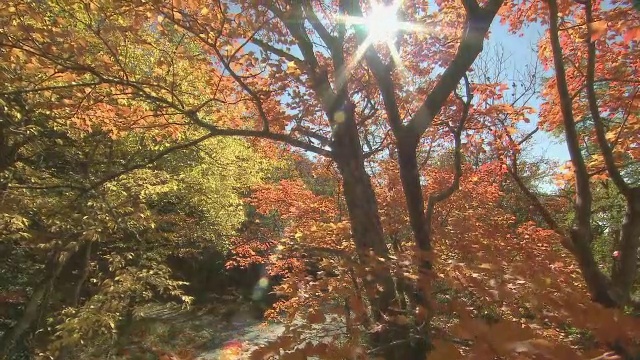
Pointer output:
x,y
632,34
597,29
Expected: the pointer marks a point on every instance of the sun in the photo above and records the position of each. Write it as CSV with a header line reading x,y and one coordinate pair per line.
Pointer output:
x,y
382,23
382,26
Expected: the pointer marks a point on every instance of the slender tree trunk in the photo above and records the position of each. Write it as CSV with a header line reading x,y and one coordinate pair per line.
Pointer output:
x,y
361,318
30,314
625,267
581,234
86,268
421,228
410,176
369,239
598,284
403,288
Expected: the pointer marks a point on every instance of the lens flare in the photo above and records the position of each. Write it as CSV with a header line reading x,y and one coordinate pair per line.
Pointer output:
x,y
232,350
260,289
383,27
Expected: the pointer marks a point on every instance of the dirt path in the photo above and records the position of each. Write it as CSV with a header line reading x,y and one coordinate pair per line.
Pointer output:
x,y
232,337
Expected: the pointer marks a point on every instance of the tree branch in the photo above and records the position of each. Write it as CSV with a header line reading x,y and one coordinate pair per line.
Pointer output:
x,y
380,72
294,22
457,134
476,28
216,131
330,40
605,149
279,52
583,191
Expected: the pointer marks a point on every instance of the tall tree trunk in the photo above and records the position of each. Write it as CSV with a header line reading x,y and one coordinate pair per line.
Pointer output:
x,y
369,239
581,234
361,202
421,228
84,275
410,176
625,266
598,284
56,262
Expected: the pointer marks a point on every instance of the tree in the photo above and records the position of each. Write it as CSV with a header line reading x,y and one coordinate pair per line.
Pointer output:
x,y
268,73
593,93
92,218
319,77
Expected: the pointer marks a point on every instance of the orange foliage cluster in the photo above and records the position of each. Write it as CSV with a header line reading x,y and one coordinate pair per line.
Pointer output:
x,y
483,255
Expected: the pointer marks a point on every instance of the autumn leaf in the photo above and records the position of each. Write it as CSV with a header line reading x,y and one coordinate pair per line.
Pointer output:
x,y
444,350
316,317
597,29
632,34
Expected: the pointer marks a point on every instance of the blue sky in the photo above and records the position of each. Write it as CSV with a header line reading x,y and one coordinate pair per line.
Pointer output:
x,y
522,51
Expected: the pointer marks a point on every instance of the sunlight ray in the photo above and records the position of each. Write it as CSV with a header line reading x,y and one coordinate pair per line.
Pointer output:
x,y
383,27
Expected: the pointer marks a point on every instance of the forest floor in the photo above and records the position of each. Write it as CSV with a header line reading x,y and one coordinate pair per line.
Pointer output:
x,y
208,333
201,332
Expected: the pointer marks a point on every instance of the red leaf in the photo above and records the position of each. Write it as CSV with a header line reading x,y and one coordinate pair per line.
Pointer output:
x,y
632,34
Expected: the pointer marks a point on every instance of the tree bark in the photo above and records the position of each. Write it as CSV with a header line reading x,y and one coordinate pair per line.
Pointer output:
x,y
363,212
420,226
581,234
625,266
86,268
410,177
56,262
369,239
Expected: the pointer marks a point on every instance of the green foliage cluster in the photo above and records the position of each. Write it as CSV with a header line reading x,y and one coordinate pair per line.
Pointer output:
x,y
107,242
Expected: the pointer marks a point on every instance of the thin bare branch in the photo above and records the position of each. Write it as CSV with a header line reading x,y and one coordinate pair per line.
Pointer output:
x,y
477,26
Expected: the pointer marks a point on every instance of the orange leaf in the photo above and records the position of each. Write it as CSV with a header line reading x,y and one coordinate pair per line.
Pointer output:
x,y
316,317
444,350
632,34
597,29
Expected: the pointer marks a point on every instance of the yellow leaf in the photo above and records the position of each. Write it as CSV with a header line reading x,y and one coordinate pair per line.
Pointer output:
x,y
292,68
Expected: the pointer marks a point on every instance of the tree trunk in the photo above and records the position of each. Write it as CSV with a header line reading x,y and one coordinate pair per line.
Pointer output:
x,y
84,275
581,235
625,266
598,285
361,202
421,228
368,236
366,226
410,176
9,339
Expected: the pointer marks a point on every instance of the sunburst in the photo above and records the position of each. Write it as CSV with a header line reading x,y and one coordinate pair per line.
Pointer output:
x,y
383,26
